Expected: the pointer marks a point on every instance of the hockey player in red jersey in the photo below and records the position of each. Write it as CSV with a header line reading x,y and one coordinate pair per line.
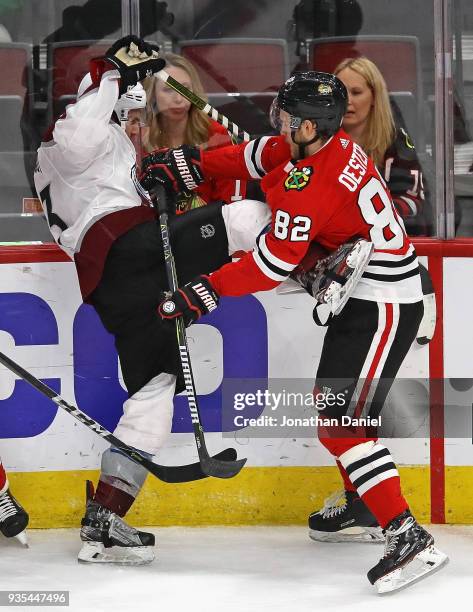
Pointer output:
x,y
322,187
13,517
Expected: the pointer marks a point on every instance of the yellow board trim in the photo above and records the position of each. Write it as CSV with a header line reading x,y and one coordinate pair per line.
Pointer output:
x,y
257,496
459,494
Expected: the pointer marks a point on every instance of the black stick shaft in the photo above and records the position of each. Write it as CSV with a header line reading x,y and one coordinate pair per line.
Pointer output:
x,y
180,327
184,473
210,465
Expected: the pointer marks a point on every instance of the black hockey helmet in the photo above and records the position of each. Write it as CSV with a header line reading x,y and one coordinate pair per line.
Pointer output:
x,y
319,96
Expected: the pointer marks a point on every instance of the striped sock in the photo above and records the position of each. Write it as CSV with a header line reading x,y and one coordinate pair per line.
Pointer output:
x,y
373,473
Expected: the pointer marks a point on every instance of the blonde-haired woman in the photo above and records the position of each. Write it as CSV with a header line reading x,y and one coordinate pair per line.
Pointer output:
x,y
173,121
369,122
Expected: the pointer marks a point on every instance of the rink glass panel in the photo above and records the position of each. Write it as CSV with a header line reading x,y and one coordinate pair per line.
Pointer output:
x,y
462,47
258,46
242,57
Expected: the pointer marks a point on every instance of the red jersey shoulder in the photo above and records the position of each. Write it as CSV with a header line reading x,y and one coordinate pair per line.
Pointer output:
x,y
217,136
329,168
349,164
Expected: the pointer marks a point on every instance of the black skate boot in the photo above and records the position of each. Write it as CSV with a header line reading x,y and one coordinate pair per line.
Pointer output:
x,y
350,521
108,539
13,518
409,554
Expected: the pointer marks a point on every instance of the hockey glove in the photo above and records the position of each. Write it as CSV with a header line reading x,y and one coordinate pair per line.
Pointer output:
x,y
178,168
132,57
195,299
333,278
426,330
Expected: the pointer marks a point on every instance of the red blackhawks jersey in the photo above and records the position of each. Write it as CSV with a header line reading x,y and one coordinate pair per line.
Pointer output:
x,y
219,189
330,197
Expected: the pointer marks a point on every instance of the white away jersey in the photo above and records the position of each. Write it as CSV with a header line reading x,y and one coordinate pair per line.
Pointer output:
x,y
87,169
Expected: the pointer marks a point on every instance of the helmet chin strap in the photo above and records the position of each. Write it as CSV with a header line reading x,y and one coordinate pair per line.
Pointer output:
x,y
302,145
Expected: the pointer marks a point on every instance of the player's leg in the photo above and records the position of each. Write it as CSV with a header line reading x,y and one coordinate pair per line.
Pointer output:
x,y
369,466
344,516
145,425
361,351
126,300
13,517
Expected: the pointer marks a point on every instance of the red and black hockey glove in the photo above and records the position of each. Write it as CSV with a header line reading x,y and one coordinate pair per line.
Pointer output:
x,y
192,301
178,168
132,57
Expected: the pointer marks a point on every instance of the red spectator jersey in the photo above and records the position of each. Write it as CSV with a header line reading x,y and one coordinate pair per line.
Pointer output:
x,y
330,197
215,189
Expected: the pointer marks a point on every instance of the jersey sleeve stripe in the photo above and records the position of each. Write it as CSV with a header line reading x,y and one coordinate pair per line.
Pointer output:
x,y
259,151
391,278
250,159
393,264
392,271
284,266
275,274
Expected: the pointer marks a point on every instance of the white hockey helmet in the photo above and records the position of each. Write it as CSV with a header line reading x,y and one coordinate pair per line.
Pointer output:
x,y
133,99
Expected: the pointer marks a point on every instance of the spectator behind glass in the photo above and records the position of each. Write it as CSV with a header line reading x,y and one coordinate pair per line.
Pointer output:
x,y
369,122
173,121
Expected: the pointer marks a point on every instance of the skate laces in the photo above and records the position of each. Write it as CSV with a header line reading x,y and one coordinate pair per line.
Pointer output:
x,y
7,506
392,535
332,506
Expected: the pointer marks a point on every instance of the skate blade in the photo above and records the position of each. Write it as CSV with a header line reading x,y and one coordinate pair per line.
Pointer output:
x,y
22,538
429,560
352,534
95,552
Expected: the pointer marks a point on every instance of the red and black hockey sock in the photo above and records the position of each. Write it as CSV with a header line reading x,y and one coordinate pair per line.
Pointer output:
x,y
115,499
372,471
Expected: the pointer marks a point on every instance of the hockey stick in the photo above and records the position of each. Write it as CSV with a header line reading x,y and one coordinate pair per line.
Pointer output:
x,y
212,466
181,473
204,106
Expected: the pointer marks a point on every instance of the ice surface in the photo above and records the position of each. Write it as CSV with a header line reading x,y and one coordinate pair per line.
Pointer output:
x,y
244,569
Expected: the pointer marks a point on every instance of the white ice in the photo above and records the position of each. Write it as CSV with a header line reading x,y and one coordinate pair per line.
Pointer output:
x,y
244,569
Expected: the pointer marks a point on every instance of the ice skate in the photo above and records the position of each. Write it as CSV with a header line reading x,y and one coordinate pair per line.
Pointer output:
x,y
108,539
347,521
13,518
409,555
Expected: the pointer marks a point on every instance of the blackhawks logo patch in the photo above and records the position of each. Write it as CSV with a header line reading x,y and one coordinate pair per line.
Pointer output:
x,y
298,178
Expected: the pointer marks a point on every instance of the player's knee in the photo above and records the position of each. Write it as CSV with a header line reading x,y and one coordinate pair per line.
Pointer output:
x,y
147,415
244,222
356,450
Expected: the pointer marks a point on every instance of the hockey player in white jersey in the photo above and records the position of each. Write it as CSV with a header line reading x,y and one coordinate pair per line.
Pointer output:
x,y
101,217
